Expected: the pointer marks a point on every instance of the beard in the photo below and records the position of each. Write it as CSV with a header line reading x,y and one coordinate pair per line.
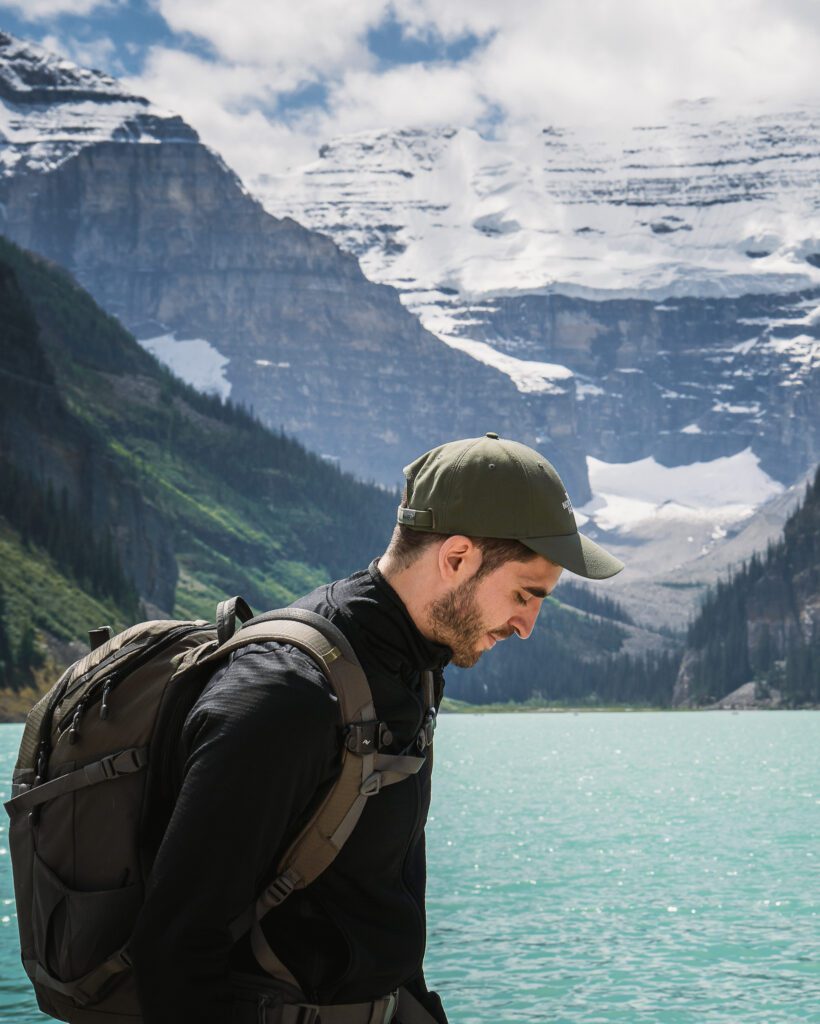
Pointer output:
x,y
456,620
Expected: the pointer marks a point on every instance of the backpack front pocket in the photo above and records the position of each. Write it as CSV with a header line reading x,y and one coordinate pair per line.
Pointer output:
x,y
74,931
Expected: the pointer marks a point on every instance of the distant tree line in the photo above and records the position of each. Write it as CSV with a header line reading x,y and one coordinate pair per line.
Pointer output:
x,y
596,604
48,521
570,659
781,656
17,662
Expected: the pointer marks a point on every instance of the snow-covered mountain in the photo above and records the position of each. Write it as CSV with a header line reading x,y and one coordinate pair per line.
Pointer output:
x,y
701,206
235,300
643,307
667,278
51,108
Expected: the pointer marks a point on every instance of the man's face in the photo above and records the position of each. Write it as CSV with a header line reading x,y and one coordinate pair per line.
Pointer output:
x,y
478,613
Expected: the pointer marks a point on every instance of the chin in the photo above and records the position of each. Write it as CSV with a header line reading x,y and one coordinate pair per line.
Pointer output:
x,y
465,659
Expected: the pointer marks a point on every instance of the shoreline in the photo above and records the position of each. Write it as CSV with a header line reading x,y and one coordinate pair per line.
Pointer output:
x,y
460,707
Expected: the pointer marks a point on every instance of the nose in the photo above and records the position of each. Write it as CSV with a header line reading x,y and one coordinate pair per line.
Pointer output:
x,y
523,622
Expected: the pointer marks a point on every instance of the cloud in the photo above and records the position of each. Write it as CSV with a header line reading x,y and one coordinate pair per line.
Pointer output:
x,y
319,38
91,53
41,10
565,60
227,104
538,62
406,96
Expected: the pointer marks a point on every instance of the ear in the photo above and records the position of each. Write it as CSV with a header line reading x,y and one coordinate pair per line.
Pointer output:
x,y
458,559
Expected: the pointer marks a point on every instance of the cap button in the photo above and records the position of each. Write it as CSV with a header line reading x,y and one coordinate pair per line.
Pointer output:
x,y
491,434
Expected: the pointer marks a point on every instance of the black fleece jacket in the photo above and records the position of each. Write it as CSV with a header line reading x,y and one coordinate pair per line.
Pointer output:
x,y
260,747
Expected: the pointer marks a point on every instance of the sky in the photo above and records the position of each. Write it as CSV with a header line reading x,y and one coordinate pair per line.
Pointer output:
x,y
266,84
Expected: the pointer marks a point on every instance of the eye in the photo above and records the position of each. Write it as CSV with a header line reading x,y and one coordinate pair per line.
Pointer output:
x,y
520,599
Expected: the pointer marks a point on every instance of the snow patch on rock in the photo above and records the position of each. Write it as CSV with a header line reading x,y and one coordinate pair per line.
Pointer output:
x,y
726,491
194,360
529,376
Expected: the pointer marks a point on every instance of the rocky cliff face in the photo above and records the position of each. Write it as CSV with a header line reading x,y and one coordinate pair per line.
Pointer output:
x,y
672,272
165,237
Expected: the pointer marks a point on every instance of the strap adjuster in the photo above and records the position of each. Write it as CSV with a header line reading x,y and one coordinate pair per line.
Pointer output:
x,y
427,731
371,785
124,763
277,892
367,737
306,1013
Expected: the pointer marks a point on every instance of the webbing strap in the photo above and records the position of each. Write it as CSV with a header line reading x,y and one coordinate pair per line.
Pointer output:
x,y
428,683
411,1011
126,762
363,772
268,960
378,1011
81,990
227,613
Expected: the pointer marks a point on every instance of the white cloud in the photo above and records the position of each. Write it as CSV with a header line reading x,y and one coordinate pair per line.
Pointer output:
x,y
92,53
543,61
322,37
224,102
39,10
405,96
595,59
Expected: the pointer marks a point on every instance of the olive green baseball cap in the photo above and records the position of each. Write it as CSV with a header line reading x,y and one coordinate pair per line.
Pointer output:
x,y
491,487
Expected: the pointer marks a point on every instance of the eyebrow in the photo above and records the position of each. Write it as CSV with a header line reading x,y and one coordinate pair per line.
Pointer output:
x,y
536,591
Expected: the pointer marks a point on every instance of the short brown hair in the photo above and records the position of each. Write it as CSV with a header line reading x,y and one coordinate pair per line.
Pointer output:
x,y
407,545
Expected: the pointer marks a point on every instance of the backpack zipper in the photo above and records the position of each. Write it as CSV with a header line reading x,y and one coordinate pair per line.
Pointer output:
x,y
101,690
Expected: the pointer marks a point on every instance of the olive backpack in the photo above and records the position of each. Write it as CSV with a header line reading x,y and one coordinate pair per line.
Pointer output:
x,y
91,794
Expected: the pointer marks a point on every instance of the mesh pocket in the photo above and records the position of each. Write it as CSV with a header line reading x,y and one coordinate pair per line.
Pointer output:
x,y
76,931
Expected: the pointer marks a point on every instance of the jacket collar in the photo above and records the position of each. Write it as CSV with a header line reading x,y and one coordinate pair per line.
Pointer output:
x,y
387,633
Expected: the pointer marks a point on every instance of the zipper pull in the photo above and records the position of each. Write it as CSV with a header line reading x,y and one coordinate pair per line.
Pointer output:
x,y
104,704
74,732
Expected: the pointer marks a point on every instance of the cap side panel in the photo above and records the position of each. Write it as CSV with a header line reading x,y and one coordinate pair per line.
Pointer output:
x,y
449,496
520,515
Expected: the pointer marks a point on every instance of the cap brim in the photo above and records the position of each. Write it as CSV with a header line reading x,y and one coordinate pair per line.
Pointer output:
x,y
577,553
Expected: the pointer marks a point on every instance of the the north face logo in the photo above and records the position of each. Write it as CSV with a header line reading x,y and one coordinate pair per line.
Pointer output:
x,y
567,504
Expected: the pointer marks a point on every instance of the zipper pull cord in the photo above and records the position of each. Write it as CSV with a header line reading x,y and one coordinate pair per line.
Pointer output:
x,y
104,703
74,732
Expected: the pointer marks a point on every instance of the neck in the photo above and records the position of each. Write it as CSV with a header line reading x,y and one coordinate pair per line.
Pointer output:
x,y
413,589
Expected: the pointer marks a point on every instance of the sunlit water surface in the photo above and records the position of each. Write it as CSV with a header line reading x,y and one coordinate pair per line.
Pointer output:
x,y
604,868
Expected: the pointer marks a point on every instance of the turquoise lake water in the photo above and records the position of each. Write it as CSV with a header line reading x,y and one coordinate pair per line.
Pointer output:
x,y
604,868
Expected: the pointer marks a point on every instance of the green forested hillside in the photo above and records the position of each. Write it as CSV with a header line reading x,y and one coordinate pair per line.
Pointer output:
x,y
763,625
124,492
131,484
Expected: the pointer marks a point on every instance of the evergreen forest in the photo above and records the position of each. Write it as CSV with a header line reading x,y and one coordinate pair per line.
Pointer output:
x,y
761,624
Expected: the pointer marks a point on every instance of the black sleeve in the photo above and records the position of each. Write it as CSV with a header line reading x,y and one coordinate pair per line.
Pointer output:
x,y
260,742
417,986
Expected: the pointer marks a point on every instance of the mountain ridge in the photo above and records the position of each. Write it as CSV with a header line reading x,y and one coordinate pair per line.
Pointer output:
x,y
167,238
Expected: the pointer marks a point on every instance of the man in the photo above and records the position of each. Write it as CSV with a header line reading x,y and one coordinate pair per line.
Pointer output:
x,y
483,534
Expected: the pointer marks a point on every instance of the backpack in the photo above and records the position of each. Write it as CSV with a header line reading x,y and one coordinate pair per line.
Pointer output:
x,y
91,795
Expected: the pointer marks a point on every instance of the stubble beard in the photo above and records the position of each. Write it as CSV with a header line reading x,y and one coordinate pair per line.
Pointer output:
x,y
455,620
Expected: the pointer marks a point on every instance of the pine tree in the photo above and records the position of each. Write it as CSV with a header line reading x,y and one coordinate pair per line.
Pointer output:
x,y
6,656
29,656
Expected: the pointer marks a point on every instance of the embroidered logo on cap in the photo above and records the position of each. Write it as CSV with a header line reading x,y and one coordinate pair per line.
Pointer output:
x,y
567,504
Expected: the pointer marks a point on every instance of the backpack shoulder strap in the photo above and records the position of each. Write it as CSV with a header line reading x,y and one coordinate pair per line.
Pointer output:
x,y
364,770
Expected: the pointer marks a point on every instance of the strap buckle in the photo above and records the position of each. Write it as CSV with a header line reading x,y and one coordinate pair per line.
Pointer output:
x,y
427,731
124,763
299,1013
367,737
